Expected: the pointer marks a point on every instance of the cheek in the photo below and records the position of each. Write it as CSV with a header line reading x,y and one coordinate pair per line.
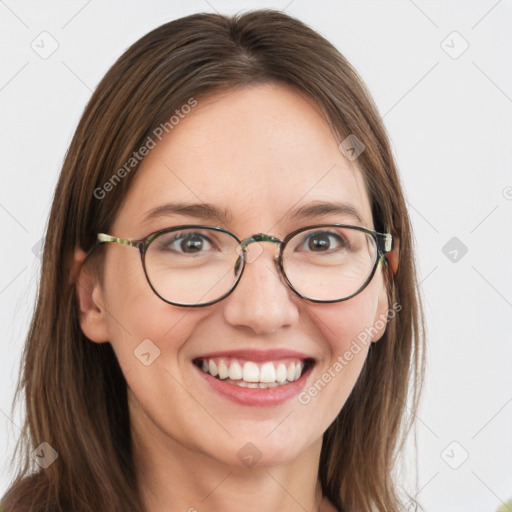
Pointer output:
x,y
139,322
149,338
344,322
346,327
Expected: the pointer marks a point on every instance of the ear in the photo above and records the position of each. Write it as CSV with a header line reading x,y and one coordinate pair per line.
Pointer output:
x,y
91,309
393,257
381,318
380,321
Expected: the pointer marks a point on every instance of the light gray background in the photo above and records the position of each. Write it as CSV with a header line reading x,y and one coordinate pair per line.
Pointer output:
x,y
450,122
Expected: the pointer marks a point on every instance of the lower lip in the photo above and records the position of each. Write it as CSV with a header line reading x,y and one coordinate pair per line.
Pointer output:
x,y
263,397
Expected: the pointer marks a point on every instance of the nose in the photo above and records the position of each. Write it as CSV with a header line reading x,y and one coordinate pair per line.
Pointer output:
x,y
262,301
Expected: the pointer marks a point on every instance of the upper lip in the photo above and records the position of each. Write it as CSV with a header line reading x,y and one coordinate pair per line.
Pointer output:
x,y
256,355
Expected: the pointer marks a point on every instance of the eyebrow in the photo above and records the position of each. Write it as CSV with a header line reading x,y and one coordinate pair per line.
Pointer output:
x,y
319,208
209,212
202,211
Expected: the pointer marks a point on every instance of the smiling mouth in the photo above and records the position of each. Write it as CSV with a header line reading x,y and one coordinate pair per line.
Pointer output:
x,y
249,374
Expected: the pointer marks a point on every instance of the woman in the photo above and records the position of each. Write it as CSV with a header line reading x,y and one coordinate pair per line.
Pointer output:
x,y
228,314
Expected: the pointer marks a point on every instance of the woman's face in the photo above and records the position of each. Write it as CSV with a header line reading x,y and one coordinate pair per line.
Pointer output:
x,y
256,154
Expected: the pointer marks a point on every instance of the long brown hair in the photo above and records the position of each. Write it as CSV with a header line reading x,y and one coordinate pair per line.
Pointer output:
x,y
74,390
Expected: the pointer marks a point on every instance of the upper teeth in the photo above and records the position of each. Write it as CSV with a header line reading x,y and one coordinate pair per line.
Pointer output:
x,y
249,371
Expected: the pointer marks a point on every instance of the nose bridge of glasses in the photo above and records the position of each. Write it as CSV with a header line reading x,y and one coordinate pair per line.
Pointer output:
x,y
257,250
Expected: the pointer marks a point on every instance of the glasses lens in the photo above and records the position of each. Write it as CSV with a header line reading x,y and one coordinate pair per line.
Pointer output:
x,y
329,263
192,266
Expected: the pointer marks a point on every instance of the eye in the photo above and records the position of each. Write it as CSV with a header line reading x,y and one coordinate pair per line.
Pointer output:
x,y
323,241
188,243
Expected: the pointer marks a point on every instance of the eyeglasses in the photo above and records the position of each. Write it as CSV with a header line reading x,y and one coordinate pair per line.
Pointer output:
x,y
194,265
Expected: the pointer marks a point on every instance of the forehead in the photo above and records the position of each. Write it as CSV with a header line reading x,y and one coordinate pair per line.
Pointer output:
x,y
256,153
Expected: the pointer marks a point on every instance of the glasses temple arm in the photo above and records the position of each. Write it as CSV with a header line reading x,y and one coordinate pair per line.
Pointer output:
x,y
104,238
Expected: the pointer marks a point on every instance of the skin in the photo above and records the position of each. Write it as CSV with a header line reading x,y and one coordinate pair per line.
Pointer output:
x,y
241,151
